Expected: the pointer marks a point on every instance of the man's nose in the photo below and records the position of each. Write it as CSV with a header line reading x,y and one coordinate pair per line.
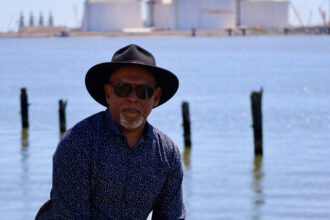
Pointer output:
x,y
132,95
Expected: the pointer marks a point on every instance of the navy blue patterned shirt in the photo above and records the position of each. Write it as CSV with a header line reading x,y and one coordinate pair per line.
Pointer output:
x,y
96,175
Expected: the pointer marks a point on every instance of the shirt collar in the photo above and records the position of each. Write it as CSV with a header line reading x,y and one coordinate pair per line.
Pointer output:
x,y
149,132
111,128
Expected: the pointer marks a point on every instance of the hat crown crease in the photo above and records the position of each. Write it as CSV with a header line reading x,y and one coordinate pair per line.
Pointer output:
x,y
134,54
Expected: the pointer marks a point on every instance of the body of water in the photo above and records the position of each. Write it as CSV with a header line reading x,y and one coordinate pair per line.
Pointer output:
x,y
223,179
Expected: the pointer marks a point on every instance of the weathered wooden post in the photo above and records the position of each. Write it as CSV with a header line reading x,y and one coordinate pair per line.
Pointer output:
x,y
243,31
230,31
64,34
186,124
193,32
62,106
24,109
257,121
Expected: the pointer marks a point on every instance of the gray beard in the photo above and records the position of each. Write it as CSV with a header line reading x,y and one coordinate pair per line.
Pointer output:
x,y
130,125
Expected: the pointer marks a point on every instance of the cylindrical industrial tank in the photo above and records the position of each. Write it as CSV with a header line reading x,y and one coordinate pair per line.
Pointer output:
x,y
265,13
111,15
163,16
205,14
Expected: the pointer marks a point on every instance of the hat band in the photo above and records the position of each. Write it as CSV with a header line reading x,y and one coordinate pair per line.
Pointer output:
x,y
134,62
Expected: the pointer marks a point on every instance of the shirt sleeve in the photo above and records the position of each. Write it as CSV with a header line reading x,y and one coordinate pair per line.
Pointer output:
x,y
71,178
169,204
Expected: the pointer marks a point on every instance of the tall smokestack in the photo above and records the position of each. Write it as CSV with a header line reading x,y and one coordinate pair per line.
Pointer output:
x,y
151,14
329,15
31,19
51,19
238,13
41,19
21,20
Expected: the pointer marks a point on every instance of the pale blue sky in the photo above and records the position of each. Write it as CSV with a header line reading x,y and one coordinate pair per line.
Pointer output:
x,y
69,12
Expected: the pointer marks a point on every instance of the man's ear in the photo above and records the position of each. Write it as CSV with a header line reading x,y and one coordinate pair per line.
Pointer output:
x,y
157,95
107,90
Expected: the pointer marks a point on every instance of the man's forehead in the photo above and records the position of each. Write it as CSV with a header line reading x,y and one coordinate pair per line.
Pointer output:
x,y
132,73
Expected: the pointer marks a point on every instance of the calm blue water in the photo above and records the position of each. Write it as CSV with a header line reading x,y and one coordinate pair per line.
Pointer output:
x,y
222,179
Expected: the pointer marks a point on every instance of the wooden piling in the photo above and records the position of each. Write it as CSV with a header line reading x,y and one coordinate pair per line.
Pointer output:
x,y
257,121
62,106
243,31
24,109
193,32
230,32
186,124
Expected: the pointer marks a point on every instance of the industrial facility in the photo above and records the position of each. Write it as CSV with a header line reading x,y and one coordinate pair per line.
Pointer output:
x,y
173,15
116,18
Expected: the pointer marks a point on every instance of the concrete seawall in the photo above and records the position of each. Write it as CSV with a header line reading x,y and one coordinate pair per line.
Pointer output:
x,y
167,33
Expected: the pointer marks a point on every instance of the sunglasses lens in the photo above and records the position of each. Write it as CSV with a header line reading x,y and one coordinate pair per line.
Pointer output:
x,y
123,89
150,91
144,91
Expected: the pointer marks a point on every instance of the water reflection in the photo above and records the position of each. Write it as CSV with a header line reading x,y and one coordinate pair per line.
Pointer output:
x,y
61,135
186,156
24,149
257,187
188,181
23,192
25,138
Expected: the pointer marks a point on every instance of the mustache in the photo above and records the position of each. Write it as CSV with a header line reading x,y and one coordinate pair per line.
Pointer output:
x,y
135,106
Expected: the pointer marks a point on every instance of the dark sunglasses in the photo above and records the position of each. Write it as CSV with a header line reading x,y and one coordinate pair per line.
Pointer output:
x,y
124,89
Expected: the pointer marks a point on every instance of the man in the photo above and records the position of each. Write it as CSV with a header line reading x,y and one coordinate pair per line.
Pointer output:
x,y
114,164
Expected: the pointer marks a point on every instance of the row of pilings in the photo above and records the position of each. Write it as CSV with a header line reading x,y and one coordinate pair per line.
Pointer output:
x,y
256,110
25,112
255,97
286,31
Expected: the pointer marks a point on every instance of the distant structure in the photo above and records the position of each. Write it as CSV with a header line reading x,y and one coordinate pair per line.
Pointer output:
x,y
217,14
112,15
265,13
41,29
31,20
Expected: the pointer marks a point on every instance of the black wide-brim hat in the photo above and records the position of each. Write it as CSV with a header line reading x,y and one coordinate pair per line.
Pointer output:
x,y
98,75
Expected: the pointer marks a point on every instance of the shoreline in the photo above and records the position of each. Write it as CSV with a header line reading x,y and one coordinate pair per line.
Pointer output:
x,y
43,33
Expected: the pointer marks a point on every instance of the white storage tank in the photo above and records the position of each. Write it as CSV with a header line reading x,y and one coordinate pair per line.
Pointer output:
x,y
112,15
265,13
205,14
163,16
198,14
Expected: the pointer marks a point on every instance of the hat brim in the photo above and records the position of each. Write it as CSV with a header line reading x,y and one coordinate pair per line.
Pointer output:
x,y
98,75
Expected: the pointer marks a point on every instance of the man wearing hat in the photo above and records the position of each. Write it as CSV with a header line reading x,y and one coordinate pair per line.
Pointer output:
x,y
114,164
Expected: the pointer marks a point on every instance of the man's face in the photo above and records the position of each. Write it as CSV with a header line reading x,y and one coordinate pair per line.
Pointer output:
x,y
131,112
